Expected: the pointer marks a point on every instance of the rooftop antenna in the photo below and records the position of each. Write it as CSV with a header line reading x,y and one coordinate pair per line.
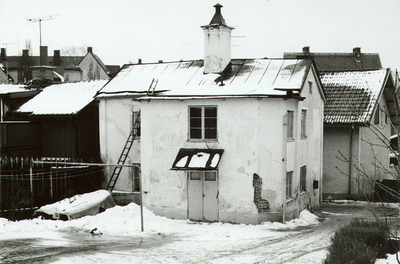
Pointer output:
x,y
40,19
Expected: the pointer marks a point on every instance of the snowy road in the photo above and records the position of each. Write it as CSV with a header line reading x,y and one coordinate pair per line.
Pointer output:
x,y
185,243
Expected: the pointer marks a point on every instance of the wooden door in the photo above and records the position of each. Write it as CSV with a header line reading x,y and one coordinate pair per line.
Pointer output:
x,y
203,196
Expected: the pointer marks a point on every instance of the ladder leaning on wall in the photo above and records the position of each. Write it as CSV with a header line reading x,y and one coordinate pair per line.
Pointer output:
x,y
124,155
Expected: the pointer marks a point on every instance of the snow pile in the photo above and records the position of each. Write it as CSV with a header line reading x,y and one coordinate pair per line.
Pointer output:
x,y
126,220
305,219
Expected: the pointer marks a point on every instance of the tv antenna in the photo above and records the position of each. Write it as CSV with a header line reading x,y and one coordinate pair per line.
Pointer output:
x,y
40,19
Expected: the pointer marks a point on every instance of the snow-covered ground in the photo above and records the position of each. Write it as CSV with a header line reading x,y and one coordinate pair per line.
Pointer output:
x,y
126,221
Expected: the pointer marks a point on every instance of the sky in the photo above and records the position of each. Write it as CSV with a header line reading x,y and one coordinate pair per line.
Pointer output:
x,y
122,31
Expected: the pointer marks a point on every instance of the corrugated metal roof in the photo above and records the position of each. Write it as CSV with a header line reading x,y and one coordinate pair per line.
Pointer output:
x,y
242,77
62,99
351,95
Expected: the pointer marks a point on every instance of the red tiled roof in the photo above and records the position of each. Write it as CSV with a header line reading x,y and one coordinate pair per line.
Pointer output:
x,y
351,95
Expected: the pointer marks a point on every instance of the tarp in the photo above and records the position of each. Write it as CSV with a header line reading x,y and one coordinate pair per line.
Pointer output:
x,y
78,206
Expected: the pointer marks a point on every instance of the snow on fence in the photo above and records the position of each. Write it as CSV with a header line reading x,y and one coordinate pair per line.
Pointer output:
x,y
27,184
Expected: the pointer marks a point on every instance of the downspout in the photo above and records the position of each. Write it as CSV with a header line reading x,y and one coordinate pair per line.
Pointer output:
x,y
350,161
284,167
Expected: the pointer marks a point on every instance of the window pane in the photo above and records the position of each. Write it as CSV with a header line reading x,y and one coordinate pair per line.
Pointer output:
x,y
210,133
195,111
136,122
303,123
195,133
136,180
290,116
210,122
210,112
303,173
195,175
289,178
210,176
195,122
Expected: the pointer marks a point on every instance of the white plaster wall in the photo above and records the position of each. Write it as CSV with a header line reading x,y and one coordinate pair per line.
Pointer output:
x,y
115,125
251,133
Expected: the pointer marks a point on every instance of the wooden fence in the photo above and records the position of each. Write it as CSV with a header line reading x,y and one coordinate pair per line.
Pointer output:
x,y
24,184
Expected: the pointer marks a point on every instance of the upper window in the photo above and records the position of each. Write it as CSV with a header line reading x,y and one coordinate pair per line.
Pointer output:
x,y
290,123
136,122
303,174
303,123
203,122
377,113
289,183
310,86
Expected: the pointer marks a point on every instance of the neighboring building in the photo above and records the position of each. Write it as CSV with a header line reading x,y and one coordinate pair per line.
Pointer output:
x,y
57,68
231,140
359,116
358,121
339,61
18,139
66,117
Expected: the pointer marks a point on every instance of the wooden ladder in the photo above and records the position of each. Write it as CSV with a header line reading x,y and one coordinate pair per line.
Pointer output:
x,y
124,155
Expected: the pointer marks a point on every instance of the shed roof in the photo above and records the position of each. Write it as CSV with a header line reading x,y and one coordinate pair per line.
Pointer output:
x,y
351,96
62,99
249,77
12,88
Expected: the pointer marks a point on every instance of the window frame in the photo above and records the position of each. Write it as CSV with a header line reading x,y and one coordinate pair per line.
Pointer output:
x,y
290,125
289,185
136,174
303,123
377,115
136,118
310,86
303,178
204,119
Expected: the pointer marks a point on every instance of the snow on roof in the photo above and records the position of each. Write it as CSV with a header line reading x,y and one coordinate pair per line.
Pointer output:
x,y
12,88
62,99
242,77
351,95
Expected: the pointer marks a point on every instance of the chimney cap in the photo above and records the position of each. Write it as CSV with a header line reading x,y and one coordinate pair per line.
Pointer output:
x,y
357,50
89,49
218,18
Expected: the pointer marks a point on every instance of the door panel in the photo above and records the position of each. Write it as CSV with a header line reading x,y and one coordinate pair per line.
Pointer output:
x,y
210,197
203,196
195,196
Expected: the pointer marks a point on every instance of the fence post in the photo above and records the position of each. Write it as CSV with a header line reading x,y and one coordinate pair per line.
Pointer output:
x,y
31,178
51,185
1,193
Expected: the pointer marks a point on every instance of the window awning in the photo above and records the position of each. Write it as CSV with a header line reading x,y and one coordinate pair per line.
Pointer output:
x,y
197,159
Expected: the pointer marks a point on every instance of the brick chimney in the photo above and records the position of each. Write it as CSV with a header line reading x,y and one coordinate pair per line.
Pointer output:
x,y
57,58
357,53
44,58
306,51
3,54
217,43
89,50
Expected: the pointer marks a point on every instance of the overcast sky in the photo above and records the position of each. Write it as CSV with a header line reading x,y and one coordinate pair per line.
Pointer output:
x,y
121,31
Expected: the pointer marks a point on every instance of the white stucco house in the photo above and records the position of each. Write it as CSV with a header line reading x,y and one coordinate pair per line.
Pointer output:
x,y
221,139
